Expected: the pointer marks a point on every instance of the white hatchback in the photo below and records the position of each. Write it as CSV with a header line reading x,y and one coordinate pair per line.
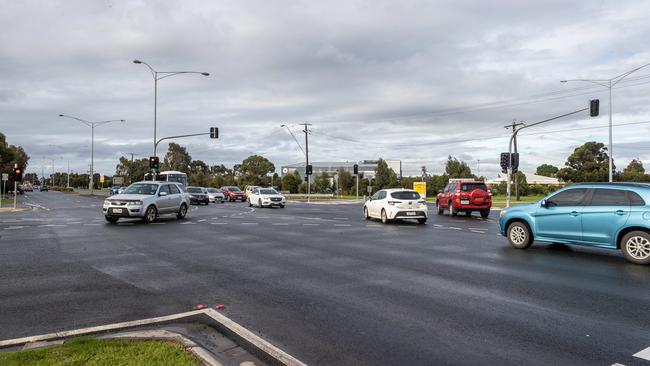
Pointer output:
x,y
396,204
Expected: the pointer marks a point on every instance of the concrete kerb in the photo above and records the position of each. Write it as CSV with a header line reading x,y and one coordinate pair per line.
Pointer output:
x,y
248,340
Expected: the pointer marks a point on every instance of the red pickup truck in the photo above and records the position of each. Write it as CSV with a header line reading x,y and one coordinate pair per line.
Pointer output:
x,y
464,195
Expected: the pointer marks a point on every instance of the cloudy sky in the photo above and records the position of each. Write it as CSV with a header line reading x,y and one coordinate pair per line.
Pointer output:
x,y
408,80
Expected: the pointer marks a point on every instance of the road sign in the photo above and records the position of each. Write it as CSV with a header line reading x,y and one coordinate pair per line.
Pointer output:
x,y
5,176
101,178
421,188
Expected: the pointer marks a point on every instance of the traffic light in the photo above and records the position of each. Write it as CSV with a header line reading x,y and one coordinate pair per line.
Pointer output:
x,y
514,162
356,169
214,132
154,162
308,169
504,162
594,106
18,174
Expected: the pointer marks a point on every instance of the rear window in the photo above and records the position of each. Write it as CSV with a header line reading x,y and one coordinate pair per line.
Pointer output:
x,y
406,195
635,199
234,189
609,197
468,187
194,190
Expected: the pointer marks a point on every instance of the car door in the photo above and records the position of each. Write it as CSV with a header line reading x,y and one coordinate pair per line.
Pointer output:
x,y
372,204
175,197
602,217
379,202
164,201
561,219
254,195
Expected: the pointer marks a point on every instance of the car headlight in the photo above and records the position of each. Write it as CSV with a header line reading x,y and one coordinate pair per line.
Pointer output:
x,y
107,203
134,203
502,213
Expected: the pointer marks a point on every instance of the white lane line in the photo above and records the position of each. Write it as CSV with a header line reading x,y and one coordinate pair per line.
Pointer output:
x,y
51,225
478,228
373,226
341,218
219,223
202,220
279,224
92,224
477,231
188,223
310,224
74,222
249,223
14,227
342,225
454,228
645,354
618,364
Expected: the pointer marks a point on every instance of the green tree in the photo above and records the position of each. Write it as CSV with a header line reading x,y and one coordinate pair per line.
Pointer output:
x,y
385,177
457,168
254,170
177,159
322,183
547,170
10,155
634,172
291,182
520,185
346,182
587,163
132,171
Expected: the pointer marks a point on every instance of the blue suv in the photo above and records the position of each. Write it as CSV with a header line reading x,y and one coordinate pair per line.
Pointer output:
x,y
605,215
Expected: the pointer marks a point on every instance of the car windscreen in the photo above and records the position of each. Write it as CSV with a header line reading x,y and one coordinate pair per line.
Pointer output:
x,y
234,189
194,190
268,191
213,190
142,188
406,195
468,187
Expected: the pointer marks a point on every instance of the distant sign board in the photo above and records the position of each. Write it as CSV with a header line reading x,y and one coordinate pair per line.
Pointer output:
x,y
118,181
101,178
421,188
5,176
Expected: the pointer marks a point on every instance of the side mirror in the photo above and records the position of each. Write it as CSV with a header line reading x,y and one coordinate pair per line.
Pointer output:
x,y
161,194
544,203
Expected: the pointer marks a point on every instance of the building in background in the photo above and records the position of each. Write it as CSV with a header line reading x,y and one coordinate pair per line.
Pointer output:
x,y
366,168
530,179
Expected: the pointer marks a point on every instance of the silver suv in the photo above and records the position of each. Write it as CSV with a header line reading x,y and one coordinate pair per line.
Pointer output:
x,y
147,200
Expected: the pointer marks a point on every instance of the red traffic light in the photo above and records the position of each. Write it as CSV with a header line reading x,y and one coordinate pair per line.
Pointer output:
x,y
18,171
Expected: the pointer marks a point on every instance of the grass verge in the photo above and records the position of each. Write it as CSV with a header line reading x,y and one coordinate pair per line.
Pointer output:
x,y
95,352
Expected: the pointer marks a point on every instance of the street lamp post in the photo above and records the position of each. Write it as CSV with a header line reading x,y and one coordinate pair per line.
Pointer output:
x,y
92,126
159,75
609,84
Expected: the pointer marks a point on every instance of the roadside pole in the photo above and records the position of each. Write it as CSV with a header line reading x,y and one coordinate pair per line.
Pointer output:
x,y
15,188
307,160
357,186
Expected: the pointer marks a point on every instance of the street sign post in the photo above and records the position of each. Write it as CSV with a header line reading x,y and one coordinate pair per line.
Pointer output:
x,y
3,184
421,188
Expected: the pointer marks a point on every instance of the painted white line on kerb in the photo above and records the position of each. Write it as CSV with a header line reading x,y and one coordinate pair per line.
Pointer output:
x,y
645,354
14,227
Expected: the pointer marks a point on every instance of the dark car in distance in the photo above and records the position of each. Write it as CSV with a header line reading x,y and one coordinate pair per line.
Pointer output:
x,y
198,195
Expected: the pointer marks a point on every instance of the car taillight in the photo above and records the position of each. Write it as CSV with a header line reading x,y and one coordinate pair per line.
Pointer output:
x,y
392,203
457,194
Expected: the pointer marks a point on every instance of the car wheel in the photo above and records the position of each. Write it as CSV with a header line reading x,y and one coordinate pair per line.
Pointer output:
x,y
111,219
422,221
259,203
485,213
282,205
384,217
519,235
150,214
636,247
365,213
441,210
182,212
452,209
250,204
222,201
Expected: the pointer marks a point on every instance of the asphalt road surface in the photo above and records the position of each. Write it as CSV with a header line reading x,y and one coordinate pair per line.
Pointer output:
x,y
325,285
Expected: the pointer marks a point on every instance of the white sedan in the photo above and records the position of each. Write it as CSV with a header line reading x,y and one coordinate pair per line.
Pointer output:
x,y
215,195
265,197
396,204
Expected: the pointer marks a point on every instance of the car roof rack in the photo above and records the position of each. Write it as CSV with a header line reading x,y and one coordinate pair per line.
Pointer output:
x,y
626,184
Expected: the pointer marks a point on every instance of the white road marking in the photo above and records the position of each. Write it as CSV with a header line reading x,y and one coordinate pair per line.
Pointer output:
x,y
342,225
202,220
74,222
188,223
477,231
341,218
249,223
92,224
618,364
645,354
454,228
310,224
158,223
478,228
51,225
14,227
279,224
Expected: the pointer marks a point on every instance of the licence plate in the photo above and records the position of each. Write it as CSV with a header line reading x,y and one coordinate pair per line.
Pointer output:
x,y
411,213
464,202
117,210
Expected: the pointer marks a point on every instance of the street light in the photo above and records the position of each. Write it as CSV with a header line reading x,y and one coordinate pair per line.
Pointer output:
x,y
92,126
159,75
609,84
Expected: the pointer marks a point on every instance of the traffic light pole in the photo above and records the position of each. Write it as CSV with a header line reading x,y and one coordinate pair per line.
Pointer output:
x,y
155,146
307,160
513,138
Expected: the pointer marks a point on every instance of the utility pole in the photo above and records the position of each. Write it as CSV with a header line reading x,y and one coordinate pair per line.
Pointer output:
x,y
478,167
307,159
514,126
